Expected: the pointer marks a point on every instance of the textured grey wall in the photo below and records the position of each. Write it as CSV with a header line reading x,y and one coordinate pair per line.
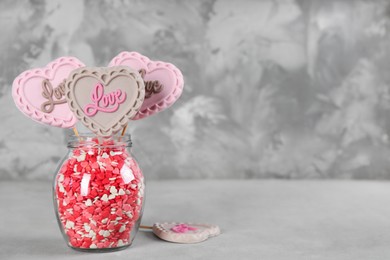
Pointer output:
x,y
284,89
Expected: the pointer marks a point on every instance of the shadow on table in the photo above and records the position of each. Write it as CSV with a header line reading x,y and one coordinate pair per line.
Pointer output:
x,y
54,246
33,246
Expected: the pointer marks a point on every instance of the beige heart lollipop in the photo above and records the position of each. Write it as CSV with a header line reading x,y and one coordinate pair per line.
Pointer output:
x,y
185,233
105,99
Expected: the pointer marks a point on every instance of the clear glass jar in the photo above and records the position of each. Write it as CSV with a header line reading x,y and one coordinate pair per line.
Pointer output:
x,y
99,193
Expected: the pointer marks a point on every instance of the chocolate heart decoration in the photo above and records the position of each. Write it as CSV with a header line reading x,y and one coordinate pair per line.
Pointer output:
x,y
185,233
163,81
105,99
40,93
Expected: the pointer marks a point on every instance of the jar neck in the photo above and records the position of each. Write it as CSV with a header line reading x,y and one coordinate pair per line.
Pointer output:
x,y
93,141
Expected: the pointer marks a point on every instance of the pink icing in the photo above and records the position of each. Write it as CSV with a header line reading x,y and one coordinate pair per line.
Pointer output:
x,y
107,103
183,228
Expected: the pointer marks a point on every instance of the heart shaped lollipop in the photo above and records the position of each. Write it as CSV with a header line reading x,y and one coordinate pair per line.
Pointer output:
x,y
185,233
105,99
40,93
163,81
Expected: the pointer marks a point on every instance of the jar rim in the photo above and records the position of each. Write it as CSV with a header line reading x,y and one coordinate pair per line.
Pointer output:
x,y
95,141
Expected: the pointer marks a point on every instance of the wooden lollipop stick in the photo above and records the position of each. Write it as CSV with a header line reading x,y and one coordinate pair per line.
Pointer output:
x,y
146,227
124,131
76,133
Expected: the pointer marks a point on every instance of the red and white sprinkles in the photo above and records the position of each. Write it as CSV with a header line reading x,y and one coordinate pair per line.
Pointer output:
x,y
99,195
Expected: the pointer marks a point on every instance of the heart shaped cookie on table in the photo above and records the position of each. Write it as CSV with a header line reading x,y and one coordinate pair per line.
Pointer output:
x,y
185,233
105,99
163,81
40,93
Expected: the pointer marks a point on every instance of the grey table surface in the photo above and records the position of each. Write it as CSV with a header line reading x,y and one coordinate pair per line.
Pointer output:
x,y
260,219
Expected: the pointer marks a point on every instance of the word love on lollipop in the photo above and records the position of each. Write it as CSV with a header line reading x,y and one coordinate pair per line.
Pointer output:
x,y
48,92
107,103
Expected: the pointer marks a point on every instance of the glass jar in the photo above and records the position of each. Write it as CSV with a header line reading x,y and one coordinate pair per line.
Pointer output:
x,y
99,193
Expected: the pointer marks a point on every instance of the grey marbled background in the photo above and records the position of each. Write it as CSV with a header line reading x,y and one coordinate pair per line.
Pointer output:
x,y
274,89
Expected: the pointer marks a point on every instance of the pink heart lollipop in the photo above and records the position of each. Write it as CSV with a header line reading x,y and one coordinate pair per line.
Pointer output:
x,y
40,93
163,81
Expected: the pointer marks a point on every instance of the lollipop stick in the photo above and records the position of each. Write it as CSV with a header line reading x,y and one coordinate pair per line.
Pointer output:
x,y
76,133
124,130
146,227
